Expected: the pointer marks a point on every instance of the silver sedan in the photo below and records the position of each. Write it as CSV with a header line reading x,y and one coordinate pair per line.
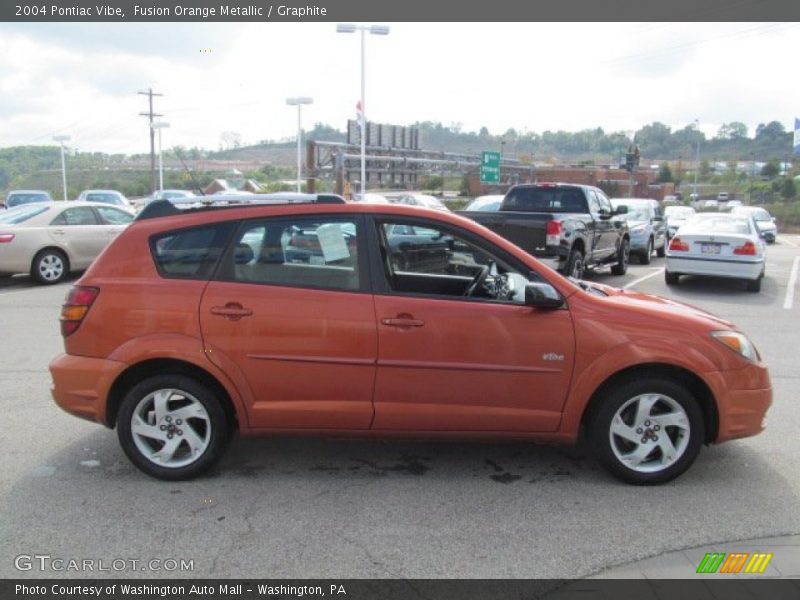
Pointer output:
x,y
50,239
717,245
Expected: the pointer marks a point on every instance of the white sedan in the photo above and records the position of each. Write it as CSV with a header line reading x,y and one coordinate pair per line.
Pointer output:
x,y
50,239
717,245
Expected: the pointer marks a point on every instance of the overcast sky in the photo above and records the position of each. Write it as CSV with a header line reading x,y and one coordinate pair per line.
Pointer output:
x,y
81,79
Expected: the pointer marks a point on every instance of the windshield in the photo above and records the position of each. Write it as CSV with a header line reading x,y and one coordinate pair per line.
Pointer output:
x,y
638,213
26,198
716,224
23,213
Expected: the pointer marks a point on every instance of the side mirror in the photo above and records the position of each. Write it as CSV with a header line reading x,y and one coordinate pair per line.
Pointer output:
x,y
657,219
542,295
622,209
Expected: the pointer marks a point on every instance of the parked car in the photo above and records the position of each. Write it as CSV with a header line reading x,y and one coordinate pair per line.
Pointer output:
x,y
765,222
169,195
104,196
178,336
731,204
485,203
50,239
646,226
370,198
717,245
723,197
422,200
19,197
676,216
570,227
711,204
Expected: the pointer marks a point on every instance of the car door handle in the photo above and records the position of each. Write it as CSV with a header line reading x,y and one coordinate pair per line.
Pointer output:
x,y
403,322
58,232
232,310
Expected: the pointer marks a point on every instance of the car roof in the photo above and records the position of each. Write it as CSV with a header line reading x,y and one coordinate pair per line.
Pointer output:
x,y
28,192
102,192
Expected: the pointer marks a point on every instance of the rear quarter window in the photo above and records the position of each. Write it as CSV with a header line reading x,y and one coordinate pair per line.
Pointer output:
x,y
190,253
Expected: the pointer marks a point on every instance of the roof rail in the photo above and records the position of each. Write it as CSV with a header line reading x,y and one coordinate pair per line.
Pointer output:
x,y
178,206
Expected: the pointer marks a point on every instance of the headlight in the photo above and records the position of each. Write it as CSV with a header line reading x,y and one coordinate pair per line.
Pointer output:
x,y
638,229
737,342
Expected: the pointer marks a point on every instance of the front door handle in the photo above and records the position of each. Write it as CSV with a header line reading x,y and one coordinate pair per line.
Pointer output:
x,y
403,321
232,310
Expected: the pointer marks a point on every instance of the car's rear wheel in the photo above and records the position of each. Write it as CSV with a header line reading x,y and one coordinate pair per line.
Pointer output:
x,y
754,285
662,252
575,265
623,258
672,278
50,266
644,257
647,431
172,427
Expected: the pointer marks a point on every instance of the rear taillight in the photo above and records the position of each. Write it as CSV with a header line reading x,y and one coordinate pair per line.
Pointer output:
x,y
746,249
79,299
6,237
553,233
678,245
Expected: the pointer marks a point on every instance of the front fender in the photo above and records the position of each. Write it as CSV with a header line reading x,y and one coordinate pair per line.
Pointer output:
x,y
624,356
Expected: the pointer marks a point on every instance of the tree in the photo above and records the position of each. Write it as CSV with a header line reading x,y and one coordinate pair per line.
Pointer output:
x,y
734,130
788,189
664,174
771,169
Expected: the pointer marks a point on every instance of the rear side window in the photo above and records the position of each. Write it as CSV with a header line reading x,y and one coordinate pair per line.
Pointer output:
x,y
300,252
546,199
190,253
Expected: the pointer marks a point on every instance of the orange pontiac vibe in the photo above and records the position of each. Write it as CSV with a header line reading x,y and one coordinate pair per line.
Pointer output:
x,y
312,316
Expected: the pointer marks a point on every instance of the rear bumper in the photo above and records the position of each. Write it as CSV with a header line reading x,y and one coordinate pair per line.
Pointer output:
x,y
716,268
81,385
743,398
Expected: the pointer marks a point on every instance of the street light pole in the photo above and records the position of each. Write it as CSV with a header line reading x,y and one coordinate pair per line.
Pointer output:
x,y
160,125
374,30
298,102
61,139
696,160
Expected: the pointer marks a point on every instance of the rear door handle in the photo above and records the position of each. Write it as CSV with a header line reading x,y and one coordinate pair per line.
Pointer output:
x,y
403,322
58,231
232,310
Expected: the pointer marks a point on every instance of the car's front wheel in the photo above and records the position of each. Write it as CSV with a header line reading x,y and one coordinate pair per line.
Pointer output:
x,y
647,430
647,253
172,427
50,266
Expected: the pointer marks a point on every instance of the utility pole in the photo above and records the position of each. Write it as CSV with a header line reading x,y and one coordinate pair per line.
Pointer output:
x,y
151,115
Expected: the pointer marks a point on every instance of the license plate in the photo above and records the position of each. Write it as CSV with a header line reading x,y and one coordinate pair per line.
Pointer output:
x,y
710,248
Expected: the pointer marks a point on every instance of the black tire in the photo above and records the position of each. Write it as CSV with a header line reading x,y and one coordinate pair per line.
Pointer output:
x,y
754,285
662,252
623,258
684,439
216,428
50,266
647,253
672,278
575,265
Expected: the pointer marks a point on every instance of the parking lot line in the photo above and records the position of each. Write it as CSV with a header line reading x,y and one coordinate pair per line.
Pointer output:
x,y
786,240
789,300
641,279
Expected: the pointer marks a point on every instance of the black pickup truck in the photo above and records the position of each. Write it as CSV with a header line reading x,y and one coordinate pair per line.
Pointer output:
x,y
570,227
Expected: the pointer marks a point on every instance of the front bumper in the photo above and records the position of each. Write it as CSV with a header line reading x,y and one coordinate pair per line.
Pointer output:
x,y
81,385
743,398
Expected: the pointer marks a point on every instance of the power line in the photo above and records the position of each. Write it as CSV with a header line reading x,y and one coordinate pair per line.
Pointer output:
x,y
150,114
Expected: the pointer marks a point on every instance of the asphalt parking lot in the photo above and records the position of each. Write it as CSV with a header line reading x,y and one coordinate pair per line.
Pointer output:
x,y
320,508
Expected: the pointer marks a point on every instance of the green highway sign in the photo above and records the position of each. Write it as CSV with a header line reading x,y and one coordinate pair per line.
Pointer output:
x,y
490,167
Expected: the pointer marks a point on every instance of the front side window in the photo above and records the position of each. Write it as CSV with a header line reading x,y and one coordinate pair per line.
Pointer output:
x,y
435,261
113,216
299,252
190,253
82,215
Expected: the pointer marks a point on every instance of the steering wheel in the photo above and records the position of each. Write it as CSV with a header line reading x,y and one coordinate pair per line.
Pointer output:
x,y
477,280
